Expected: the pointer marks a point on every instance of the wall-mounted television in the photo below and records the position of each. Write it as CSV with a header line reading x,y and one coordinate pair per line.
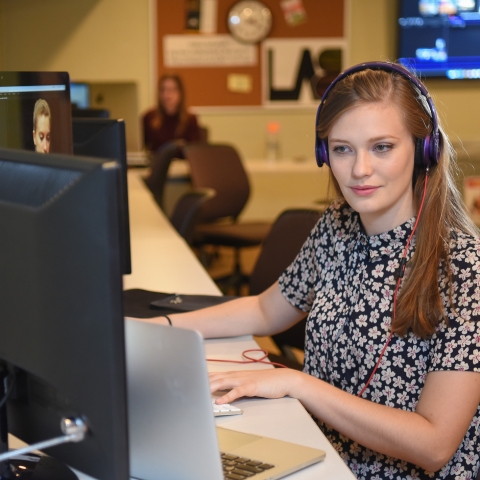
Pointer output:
x,y
440,38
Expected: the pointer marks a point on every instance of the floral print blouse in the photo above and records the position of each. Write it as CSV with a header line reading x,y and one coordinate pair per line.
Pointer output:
x,y
346,280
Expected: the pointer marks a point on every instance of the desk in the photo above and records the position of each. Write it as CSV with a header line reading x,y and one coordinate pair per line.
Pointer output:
x,y
161,260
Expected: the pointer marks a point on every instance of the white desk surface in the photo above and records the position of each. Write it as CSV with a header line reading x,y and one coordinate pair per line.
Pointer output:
x,y
162,261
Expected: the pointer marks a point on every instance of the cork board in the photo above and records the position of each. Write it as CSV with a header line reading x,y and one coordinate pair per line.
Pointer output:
x,y
207,86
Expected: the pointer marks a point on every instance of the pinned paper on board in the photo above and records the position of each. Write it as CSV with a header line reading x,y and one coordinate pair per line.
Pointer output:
x,y
201,16
239,83
206,51
192,15
294,12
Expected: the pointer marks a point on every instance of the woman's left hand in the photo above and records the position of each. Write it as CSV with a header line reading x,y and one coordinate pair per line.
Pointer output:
x,y
272,383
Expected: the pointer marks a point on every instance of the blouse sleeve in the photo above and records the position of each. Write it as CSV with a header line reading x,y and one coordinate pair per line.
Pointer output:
x,y
298,282
456,346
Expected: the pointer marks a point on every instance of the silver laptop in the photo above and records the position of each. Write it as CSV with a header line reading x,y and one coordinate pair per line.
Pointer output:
x,y
171,425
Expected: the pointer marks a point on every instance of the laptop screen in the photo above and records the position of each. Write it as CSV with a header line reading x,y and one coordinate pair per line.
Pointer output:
x,y
35,111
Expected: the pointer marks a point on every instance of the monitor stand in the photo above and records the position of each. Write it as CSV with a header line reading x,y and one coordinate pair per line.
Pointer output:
x,y
29,466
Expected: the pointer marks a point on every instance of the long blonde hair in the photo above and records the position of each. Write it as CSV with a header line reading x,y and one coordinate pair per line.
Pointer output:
x,y
420,307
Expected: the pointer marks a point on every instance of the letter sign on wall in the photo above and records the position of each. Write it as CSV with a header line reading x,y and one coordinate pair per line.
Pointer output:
x,y
297,71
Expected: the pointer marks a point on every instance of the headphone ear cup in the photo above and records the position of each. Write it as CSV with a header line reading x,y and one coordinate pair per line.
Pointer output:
x,y
321,152
419,159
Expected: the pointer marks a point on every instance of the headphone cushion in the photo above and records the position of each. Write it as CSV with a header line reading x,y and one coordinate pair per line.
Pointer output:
x,y
321,152
419,158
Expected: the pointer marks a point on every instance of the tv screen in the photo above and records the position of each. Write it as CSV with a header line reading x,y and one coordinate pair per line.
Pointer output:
x,y
440,38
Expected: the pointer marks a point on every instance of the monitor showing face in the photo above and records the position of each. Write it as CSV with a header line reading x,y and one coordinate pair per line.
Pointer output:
x,y
35,111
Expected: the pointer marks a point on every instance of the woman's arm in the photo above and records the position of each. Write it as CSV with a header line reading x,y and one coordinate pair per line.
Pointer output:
x,y
264,314
427,437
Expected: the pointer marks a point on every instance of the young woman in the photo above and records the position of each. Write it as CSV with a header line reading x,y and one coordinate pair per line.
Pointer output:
x,y
170,120
390,278
41,126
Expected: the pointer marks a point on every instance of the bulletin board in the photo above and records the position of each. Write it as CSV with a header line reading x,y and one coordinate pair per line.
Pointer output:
x,y
207,86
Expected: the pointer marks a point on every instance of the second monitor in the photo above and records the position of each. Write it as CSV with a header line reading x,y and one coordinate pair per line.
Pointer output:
x,y
105,138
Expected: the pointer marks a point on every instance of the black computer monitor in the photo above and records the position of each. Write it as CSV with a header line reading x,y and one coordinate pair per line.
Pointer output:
x,y
27,98
104,138
61,321
90,112
80,94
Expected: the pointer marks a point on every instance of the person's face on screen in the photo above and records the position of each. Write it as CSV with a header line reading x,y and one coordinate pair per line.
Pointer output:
x,y
372,158
41,134
170,96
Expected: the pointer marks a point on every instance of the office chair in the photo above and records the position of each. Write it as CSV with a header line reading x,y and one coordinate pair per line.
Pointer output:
x,y
187,210
219,167
203,134
160,164
289,232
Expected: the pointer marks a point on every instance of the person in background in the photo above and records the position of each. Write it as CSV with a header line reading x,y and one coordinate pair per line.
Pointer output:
x,y
41,126
390,279
170,120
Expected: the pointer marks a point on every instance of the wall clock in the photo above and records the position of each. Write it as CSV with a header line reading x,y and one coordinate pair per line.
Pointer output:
x,y
249,21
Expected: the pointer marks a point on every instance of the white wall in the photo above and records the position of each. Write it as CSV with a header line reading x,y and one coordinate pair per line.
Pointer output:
x,y
102,41
112,43
246,129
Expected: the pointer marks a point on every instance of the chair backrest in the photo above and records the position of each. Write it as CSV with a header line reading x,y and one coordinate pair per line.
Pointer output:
x,y
287,235
161,161
279,249
186,213
219,167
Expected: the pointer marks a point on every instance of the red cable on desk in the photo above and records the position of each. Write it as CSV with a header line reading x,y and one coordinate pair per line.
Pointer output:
x,y
250,359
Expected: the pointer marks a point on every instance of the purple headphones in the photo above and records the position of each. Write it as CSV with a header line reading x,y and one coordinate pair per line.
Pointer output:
x,y
427,150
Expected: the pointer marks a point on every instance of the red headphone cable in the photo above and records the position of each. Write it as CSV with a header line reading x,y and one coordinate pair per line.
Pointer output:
x,y
402,266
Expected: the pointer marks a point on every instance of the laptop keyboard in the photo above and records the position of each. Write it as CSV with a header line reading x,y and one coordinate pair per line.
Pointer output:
x,y
239,468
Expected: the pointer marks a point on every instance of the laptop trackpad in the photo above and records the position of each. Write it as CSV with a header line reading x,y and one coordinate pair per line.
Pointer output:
x,y
229,440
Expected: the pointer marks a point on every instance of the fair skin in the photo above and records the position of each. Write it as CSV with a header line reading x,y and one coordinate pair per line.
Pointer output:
x,y
41,134
169,95
374,169
371,156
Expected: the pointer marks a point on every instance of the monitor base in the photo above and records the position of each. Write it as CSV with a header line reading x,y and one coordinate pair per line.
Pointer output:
x,y
37,467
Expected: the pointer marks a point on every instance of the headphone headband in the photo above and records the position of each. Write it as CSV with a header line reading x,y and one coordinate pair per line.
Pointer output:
x,y
428,148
